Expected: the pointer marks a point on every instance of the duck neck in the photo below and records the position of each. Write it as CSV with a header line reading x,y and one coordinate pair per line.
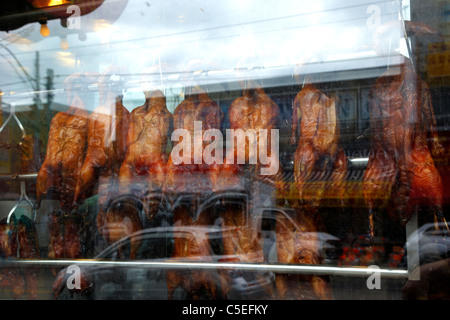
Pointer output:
x,y
154,99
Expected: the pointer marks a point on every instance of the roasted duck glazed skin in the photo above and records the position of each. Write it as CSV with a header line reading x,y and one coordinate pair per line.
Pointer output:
x,y
65,236
147,139
318,140
197,106
402,120
317,149
106,141
256,111
66,147
143,165
107,146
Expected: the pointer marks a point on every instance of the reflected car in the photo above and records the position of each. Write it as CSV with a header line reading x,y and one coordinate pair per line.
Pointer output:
x,y
433,244
111,275
269,217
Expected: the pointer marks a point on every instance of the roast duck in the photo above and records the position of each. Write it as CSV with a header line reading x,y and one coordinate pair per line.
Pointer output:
x,y
66,147
106,141
197,106
318,150
143,168
254,110
106,150
58,176
401,172
124,150
401,167
85,150
147,139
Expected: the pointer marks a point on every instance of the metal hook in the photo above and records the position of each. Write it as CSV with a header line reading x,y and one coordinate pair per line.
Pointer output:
x,y
23,198
389,54
207,82
12,114
163,87
408,44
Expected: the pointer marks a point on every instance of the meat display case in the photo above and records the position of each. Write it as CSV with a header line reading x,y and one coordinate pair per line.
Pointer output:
x,y
241,150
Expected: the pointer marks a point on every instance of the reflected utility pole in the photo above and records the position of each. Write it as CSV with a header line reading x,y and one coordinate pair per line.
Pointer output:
x,y
49,87
37,88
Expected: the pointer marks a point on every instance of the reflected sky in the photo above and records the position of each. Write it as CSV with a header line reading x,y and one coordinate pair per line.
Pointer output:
x,y
218,41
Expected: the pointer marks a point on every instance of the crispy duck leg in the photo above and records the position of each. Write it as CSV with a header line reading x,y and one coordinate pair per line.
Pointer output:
x,y
65,236
378,181
380,174
56,236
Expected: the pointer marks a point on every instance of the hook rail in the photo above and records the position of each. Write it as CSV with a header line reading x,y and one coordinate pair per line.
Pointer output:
x,y
19,177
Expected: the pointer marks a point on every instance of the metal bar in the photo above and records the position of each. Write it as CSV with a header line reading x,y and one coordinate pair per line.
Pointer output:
x,y
19,177
412,247
405,33
276,268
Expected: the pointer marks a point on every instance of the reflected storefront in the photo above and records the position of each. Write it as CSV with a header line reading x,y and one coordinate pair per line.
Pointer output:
x,y
234,150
